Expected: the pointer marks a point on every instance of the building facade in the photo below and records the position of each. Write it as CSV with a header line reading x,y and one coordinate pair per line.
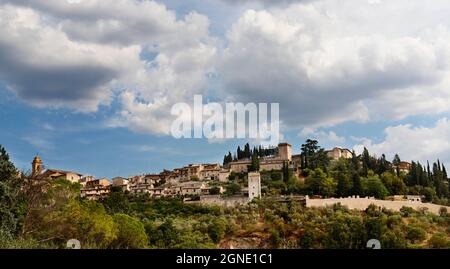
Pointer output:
x,y
254,185
337,153
96,189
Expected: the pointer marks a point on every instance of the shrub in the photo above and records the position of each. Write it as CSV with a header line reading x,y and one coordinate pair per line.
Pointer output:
x,y
416,234
438,240
214,191
443,212
407,211
216,230
275,238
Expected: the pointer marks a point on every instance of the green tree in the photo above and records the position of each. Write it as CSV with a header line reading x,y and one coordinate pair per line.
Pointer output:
x,y
130,233
313,156
117,202
393,240
319,183
307,152
86,221
396,161
393,183
373,186
357,188
383,165
366,162
286,172
233,188
247,151
439,241
9,194
416,234
254,166
214,191
216,230
341,172
444,173
227,158
276,175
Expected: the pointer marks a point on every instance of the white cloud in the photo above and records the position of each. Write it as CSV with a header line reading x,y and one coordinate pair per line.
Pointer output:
x,y
413,143
329,62
42,66
323,136
268,3
60,54
326,62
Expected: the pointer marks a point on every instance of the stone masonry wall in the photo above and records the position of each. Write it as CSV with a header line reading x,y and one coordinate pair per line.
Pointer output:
x,y
363,203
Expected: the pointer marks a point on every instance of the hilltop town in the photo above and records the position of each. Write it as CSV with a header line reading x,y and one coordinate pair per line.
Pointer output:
x,y
216,183
191,180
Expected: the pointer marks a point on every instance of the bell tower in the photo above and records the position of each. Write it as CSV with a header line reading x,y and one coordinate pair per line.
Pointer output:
x,y
36,165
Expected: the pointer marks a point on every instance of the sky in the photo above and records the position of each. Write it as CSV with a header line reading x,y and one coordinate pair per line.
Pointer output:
x,y
89,84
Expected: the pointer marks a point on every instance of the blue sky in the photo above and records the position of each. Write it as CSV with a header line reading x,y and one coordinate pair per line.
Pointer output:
x,y
90,88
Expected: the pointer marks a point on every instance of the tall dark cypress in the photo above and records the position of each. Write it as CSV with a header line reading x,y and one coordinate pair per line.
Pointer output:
x,y
444,172
365,162
412,177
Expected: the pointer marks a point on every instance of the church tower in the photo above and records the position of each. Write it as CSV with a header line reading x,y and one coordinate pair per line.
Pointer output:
x,y
36,165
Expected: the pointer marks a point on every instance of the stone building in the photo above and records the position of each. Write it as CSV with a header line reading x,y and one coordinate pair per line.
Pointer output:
x,y
193,188
73,177
96,189
37,168
266,163
337,153
404,167
254,185
122,183
270,164
240,166
86,179
224,175
140,184
210,173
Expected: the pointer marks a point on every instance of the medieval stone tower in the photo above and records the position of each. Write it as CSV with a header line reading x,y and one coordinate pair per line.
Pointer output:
x,y
36,165
254,185
285,152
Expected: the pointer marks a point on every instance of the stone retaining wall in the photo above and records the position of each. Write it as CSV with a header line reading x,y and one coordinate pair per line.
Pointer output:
x,y
363,203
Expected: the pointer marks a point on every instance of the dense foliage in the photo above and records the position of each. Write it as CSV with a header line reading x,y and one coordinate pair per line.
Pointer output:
x,y
248,153
363,175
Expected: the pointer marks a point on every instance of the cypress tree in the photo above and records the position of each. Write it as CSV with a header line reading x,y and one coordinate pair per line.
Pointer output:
x,y
365,162
396,161
444,172
356,184
285,172
247,152
412,177
239,153
9,191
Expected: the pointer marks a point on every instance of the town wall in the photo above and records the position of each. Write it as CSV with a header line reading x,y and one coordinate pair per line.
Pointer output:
x,y
363,204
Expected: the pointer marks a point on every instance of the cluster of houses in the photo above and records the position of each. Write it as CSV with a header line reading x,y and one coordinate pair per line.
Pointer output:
x,y
191,180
